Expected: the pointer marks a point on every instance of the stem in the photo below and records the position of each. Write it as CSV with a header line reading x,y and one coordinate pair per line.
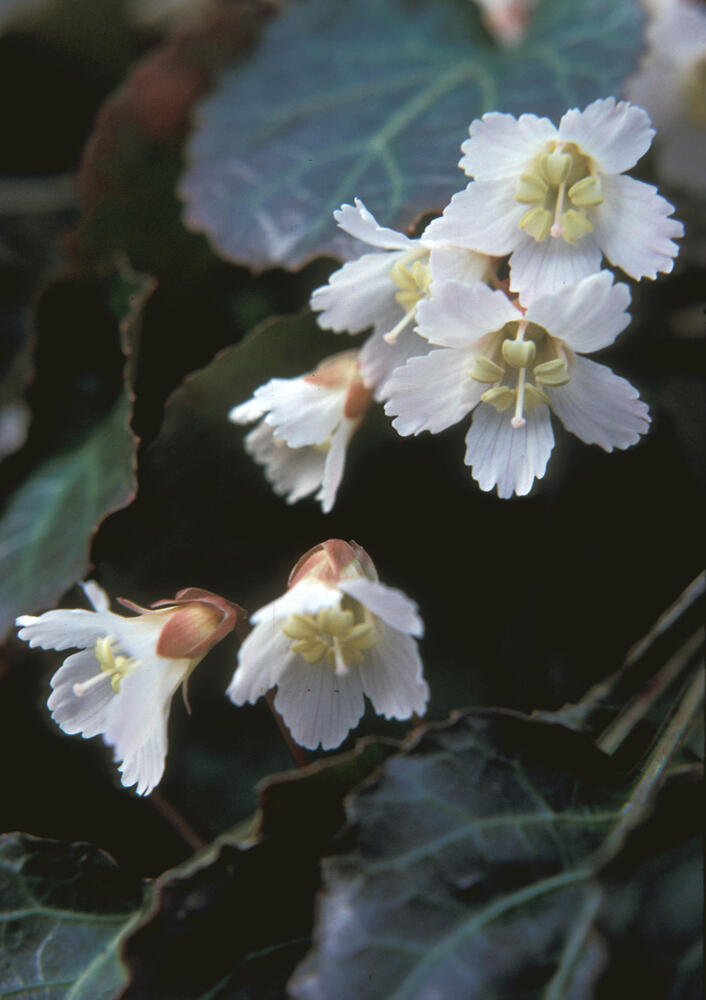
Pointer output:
x,y
175,819
299,755
620,728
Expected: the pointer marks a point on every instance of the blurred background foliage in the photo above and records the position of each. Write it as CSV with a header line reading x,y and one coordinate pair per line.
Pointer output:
x,y
127,335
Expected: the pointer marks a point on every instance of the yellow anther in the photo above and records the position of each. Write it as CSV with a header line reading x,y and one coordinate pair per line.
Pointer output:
x,y
311,649
339,635
501,397
536,222
531,188
519,353
556,167
554,372
113,668
413,282
299,627
575,225
588,191
485,370
535,397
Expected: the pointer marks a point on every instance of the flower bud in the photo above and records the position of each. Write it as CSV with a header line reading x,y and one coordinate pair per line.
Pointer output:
x,y
332,561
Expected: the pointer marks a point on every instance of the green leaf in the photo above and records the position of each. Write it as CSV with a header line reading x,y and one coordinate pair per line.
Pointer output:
x,y
47,526
374,103
473,871
234,921
65,910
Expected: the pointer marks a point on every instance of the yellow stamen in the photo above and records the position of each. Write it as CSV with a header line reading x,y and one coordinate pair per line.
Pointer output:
x,y
531,188
501,397
535,397
537,222
575,225
554,372
588,191
485,370
556,166
113,668
519,353
339,635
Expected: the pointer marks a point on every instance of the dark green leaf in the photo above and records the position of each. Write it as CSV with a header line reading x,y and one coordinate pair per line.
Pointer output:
x,y
235,921
374,102
47,526
65,910
472,875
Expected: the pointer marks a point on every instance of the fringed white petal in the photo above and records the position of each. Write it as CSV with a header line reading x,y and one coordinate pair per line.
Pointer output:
x,y
433,392
358,221
377,359
96,595
262,657
292,472
587,316
450,263
335,463
391,674
387,603
538,269
501,145
319,706
484,217
359,295
84,714
300,411
506,457
136,723
245,413
599,407
458,315
65,628
614,134
633,228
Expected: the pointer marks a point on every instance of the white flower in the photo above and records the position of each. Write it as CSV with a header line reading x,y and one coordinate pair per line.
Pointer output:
x,y
507,20
382,289
122,681
671,84
557,200
335,635
517,364
305,428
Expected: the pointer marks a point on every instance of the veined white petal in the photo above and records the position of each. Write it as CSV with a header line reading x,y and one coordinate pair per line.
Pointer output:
x,y
96,595
387,603
304,598
501,145
458,315
633,227
361,223
262,657
245,413
391,675
586,316
506,457
334,465
432,392
544,268
484,217
64,628
318,705
302,412
359,294
292,472
451,263
599,407
615,135
136,720
85,714
378,359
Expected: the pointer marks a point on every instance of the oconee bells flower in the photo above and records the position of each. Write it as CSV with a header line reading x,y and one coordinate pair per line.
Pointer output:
x,y
336,635
121,682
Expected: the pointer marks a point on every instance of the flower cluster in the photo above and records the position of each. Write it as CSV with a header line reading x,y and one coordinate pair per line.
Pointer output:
x,y
491,309
336,635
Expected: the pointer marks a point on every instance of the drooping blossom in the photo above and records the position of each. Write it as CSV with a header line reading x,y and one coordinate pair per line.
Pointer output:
x,y
513,365
557,199
305,426
121,682
336,635
382,290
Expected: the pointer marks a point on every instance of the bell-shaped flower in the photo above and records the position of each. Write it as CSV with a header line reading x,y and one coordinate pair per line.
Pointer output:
x,y
557,199
671,85
305,426
336,635
514,365
382,290
121,682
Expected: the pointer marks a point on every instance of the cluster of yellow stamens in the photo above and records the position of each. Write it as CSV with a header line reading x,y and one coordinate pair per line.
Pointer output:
x,y
562,173
340,635
412,275
520,354
112,667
